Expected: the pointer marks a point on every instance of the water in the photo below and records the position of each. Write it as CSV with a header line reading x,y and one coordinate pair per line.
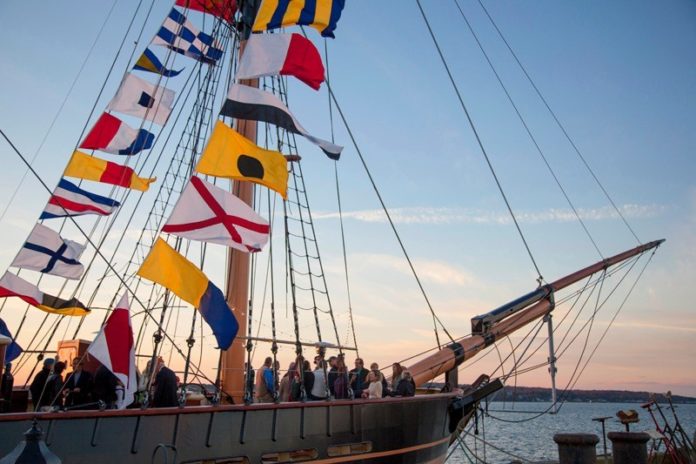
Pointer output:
x,y
532,440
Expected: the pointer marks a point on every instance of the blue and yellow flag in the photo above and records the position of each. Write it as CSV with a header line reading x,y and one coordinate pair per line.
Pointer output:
x,y
168,268
148,61
322,15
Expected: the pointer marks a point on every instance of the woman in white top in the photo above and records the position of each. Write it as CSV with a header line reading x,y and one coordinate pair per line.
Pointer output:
x,y
374,391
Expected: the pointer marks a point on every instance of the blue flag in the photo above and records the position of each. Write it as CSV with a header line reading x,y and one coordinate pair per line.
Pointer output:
x,y
13,349
149,62
178,34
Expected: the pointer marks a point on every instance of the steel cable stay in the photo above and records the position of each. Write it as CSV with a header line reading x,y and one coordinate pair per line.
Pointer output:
x,y
558,122
350,329
436,319
540,278
528,130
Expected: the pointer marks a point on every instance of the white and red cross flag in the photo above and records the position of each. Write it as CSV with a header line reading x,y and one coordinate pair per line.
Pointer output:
x,y
208,213
114,348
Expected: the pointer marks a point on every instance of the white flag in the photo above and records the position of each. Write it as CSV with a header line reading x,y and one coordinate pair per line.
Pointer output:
x,y
137,97
210,214
114,348
46,251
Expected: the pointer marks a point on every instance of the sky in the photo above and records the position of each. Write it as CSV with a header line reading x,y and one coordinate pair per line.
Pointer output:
x,y
619,76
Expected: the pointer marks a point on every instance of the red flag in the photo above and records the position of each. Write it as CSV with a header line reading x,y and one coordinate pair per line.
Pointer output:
x,y
284,54
224,9
114,348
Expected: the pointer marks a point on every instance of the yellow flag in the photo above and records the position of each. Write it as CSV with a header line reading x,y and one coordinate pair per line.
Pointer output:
x,y
165,266
83,166
231,155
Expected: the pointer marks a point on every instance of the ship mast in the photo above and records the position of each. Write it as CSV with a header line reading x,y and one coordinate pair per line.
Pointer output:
x,y
237,291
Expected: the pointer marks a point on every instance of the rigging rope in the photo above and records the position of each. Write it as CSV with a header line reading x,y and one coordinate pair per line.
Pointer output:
x,y
558,122
388,215
340,208
478,140
528,130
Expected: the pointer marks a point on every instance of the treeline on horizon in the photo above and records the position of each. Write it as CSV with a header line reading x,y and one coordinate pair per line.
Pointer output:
x,y
511,393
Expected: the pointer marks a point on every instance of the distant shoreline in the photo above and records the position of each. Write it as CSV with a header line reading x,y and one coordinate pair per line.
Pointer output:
x,y
538,394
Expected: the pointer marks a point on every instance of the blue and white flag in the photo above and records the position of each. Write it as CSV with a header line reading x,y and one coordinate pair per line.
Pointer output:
x,y
13,349
179,35
70,200
138,97
46,251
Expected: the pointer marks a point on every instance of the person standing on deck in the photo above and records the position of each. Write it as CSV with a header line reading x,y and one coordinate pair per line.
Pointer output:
x,y
332,374
286,383
53,391
264,382
318,391
358,378
165,386
37,385
78,387
105,383
6,385
340,384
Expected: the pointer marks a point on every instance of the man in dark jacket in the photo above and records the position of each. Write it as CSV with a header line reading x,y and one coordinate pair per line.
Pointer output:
x,y
358,378
37,385
6,385
105,383
78,386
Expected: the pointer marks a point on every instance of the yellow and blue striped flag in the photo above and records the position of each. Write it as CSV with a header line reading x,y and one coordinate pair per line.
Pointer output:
x,y
322,15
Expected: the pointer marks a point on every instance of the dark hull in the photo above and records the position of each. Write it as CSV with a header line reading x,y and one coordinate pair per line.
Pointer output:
x,y
392,430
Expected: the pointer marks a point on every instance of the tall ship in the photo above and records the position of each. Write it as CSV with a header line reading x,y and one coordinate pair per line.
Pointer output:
x,y
180,238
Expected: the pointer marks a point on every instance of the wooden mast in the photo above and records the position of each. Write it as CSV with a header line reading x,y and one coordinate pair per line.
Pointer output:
x,y
237,291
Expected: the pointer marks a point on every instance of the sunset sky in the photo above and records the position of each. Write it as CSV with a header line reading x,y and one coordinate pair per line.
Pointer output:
x,y
620,77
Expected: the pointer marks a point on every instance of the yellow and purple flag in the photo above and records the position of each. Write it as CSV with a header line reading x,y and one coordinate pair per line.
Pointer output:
x,y
165,266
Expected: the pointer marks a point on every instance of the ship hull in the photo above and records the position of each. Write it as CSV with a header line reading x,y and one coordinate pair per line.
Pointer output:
x,y
391,430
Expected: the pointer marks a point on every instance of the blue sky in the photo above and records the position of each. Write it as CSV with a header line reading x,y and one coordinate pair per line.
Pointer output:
x,y
619,75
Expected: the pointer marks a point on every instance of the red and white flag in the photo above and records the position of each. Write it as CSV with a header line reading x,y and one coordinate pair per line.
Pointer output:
x,y
284,54
210,214
114,348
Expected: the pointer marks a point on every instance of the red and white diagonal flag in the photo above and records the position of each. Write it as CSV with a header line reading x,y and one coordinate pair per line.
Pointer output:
x,y
114,348
210,214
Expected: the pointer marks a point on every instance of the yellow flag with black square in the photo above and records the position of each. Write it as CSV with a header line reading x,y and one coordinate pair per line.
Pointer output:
x,y
229,154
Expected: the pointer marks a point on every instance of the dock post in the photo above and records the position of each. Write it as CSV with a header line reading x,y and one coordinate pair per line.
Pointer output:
x,y
576,448
629,447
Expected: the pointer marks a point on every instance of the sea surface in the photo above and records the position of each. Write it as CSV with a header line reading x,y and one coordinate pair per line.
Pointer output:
x,y
529,436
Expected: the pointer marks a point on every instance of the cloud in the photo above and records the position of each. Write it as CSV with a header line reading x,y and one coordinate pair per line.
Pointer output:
x,y
428,215
438,272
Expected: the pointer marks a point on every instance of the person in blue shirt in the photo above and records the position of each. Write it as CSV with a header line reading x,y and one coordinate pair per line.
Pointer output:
x,y
265,384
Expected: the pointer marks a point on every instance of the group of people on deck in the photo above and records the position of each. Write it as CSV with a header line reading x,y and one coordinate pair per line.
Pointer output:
x,y
81,389
328,379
